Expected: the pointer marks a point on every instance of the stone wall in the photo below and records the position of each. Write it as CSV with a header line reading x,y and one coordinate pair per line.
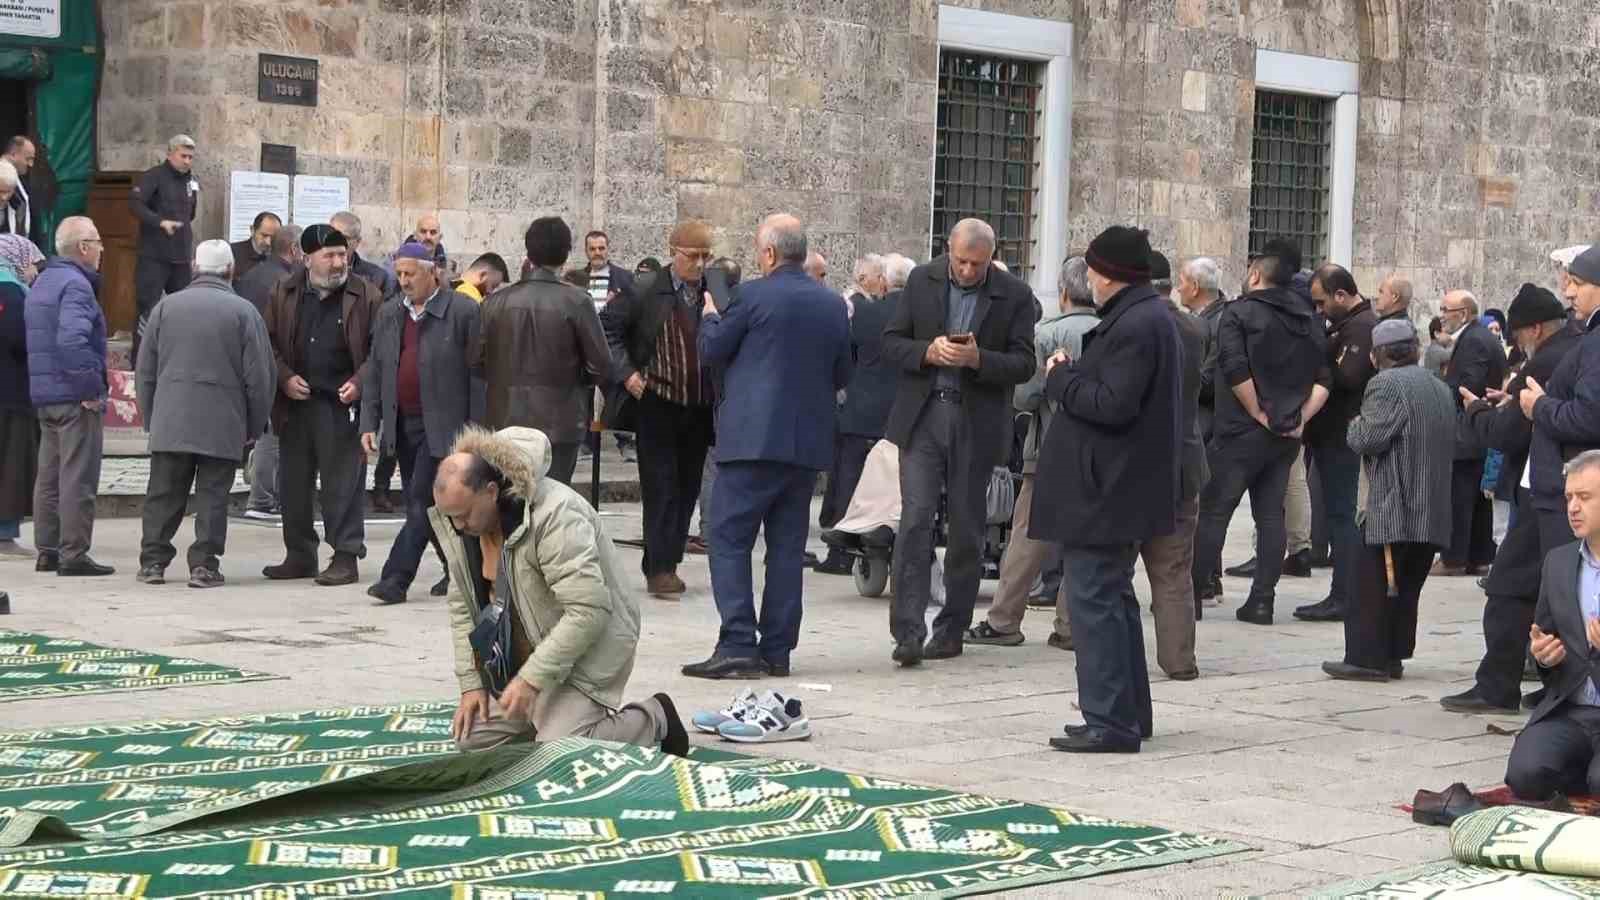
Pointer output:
x,y
1475,149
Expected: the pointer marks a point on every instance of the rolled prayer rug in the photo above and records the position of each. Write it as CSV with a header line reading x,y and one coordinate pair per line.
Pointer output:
x,y
1528,840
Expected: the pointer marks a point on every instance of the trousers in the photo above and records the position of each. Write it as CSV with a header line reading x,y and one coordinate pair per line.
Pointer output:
x,y
1019,565
672,450
320,439
418,466
1338,470
1471,516
264,473
564,711
941,454
1258,462
167,500
1378,629
153,279
71,441
1557,753
776,498
1113,681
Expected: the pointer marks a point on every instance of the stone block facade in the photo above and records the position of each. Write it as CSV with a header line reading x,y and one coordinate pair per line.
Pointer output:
x,y
1475,142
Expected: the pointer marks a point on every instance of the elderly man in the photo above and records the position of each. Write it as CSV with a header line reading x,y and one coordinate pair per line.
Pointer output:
x,y
962,338
430,234
205,349
320,322
10,188
1109,479
67,382
256,248
817,266
164,200
605,279
20,218
1477,363
1394,298
1404,433
349,224
785,349
541,620
421,389
543,350
1200,294
652,335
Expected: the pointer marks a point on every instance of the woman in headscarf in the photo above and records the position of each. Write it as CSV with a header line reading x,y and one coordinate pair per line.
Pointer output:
x,y
19,429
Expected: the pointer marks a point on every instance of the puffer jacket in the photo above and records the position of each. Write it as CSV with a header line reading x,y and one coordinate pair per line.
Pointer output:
x,y
66,335
566,580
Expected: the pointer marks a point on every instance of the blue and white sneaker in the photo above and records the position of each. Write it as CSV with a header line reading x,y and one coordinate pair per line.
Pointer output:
x,y
735,711
774,718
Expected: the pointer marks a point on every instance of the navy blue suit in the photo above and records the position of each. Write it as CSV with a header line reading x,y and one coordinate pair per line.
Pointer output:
x,y
783,347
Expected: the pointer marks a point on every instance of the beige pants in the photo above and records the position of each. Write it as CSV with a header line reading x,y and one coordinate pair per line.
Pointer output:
x,y
1296,509
1019,566
565,712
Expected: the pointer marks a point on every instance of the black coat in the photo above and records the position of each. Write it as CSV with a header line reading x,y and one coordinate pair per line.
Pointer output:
x,y
870,396
1478,363
164,193
1195,473
1271,338
1350,368
256,286
1210,317
1109,470
1566,421
1003,324
13,348
632,322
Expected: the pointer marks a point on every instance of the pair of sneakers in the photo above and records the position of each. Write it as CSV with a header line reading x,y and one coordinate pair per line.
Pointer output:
x,y
756,719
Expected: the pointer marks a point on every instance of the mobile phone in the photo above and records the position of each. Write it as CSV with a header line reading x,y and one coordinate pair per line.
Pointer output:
x,y
717,287
963,338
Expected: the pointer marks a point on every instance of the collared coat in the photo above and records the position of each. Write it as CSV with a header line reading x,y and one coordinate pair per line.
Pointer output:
x,y
1002,322
541,350
1404,433
1193,471
1110,469
870,394
1560,612
205,372
452,385
632,322
1566,420
1477,364
358,306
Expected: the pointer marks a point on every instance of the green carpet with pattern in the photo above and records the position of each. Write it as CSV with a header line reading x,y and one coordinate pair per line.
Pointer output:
x,y
37,665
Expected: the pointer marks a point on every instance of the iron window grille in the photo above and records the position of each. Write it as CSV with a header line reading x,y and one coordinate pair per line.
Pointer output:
x,y
1290,172
987,140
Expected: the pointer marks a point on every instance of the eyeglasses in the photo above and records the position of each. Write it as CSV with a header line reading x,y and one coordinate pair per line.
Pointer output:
x,y
693,255
1457,309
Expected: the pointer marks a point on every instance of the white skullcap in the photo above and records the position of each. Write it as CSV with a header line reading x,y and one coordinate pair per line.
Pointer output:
x,y
1566,255
213,255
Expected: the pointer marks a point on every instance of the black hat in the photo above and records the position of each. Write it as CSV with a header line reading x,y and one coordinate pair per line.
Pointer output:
x,y
1160,269
1121,254
320,236
1586,265
1532,305
1283,249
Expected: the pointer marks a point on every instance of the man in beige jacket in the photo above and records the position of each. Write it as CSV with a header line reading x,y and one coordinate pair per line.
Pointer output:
x,y
534,574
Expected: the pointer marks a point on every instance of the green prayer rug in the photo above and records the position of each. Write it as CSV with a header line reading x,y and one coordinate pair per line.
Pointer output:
x,y
582,820
37,665
1456,880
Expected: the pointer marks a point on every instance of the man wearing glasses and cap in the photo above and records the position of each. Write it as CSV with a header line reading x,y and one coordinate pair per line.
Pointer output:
x,y
320,322
651,333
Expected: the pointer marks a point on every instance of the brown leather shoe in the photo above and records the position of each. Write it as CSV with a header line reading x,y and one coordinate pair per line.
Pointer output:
x,y
666,586
342,570
678,586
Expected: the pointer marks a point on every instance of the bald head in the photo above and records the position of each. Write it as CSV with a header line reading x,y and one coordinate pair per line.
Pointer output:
x,y
1394,295
428,231
467,491
780,241
1457,309
817,266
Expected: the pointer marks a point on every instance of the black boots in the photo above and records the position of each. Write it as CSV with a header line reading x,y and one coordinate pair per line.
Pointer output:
x,y
1255,611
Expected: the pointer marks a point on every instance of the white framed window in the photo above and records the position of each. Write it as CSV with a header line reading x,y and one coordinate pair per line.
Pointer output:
x,y
1303,173
1004,129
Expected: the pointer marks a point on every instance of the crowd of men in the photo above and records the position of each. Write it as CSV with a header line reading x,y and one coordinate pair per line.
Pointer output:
x,y
1154,404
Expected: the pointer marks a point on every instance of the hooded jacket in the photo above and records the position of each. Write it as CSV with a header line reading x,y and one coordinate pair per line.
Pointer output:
x,y
565,579
1272,337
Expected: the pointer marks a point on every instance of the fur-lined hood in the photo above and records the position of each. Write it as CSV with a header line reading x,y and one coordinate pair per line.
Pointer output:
x,y
521,454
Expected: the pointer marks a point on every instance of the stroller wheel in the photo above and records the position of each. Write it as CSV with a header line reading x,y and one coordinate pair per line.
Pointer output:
x,y
872,575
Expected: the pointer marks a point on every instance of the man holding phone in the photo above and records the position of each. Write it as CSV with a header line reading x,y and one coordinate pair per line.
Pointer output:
x,y
962,338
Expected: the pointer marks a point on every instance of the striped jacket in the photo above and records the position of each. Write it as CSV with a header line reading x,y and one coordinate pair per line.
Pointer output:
x,y
1405,434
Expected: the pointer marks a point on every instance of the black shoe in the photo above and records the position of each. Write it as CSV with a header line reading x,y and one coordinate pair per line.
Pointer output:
x,y
205,577
1329,610
1144,733
440,588
84,567
1216,584
677,740
984,633
387,593
341,570
1470,702
1256,612
837,563
152,574
1483,583
1443,808
811,560
380,502
1246,569
1298,565
881,538
1397,670
717,667
942,648
1092,741
1321,560
1532,699
291,569
49,561
777,669
841,540
907,654
1343,671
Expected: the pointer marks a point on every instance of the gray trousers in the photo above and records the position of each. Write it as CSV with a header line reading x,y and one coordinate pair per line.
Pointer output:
x,y
167,499
566,712
70,445
264,473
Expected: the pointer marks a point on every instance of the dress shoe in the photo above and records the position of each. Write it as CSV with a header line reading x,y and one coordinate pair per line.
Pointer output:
x,y
206,577
83,566
341,570
942,648
1298,565
152,574
1256,612
1144,733
1471,701
1444,807
387,593
1329,610
1246,569
1092,741
290,569
676,743
1440,570
718,666
440,587
1321,560
49,561
1059,642
665,586
1397,670
777,669
1343,671
837,563
907,654
380,502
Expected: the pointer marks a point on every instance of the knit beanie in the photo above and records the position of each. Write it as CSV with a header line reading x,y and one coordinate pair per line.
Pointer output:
x,y
1532,305
1587,265
1121,254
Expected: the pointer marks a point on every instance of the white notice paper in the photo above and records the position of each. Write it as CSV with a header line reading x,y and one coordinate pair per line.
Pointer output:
x,y
318,197
31,18
251,193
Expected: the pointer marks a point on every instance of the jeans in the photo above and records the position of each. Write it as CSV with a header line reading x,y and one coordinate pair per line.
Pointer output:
x,y
1258,462
775,498
10,529
418,466
1113,678
1338,471
264,473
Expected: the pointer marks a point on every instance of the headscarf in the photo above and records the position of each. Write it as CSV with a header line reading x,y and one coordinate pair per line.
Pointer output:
x,y
16,252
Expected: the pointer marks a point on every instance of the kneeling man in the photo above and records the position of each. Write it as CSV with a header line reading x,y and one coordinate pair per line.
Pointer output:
x,y
540,619
1556,752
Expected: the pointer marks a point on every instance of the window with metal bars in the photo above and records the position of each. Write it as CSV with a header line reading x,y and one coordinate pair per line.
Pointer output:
x,y
987,140
1289,177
